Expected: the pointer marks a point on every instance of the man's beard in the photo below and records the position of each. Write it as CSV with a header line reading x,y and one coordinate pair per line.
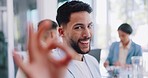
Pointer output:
x,y
76,47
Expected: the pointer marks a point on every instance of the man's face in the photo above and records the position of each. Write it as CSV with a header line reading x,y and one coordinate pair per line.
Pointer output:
x,y
124,37
78,32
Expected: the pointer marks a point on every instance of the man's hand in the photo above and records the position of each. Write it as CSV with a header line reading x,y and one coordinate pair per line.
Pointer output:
x,y
41,63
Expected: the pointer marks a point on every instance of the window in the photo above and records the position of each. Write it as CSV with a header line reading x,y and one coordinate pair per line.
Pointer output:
x,y
24,11
111,13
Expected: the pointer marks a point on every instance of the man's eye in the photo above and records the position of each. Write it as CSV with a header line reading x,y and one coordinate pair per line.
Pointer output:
x,y
90,26
78,27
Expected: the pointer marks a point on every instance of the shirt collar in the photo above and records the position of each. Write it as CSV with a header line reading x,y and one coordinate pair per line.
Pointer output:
x,y
128,45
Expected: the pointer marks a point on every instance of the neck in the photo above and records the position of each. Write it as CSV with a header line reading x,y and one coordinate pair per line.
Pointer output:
x,y
78,57
126,43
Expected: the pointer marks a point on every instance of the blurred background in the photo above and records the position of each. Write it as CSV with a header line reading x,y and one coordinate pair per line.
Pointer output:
x,y
107,16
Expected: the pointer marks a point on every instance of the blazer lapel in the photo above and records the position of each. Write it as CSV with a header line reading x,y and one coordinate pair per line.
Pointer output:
x,y
117,51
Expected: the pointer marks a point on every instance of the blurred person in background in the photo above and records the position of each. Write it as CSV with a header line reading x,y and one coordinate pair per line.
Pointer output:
x,y
50,32
40,63
120,53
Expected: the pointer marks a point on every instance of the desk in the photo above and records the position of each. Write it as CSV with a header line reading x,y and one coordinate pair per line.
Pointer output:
x,y
104,73
118,72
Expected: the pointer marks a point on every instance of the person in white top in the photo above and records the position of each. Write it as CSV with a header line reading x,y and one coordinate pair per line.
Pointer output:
x,y
120,53
123,52
76,30
74,19
41,63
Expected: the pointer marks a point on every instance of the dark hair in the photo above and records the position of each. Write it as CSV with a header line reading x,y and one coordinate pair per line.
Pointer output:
x,y
64,11
54,24
126,28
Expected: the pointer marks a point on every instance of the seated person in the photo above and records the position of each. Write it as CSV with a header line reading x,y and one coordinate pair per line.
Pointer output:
x,y
41,64
120,53
49,32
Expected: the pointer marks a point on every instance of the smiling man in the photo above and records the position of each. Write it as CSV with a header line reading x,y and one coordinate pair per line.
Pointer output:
x,y
74,19
78,32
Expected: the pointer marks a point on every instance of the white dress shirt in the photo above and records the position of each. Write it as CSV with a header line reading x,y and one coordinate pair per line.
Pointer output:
x,y
123,52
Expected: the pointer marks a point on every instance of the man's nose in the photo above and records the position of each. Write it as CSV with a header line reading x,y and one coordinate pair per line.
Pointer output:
x,y
86,32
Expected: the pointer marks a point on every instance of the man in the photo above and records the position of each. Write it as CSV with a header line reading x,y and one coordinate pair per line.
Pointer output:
x,y
120,53
75,29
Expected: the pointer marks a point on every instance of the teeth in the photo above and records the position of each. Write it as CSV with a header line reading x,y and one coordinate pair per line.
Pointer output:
x,y
85,42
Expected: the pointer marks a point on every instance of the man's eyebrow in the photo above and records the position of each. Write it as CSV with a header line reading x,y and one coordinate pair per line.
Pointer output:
x,y
90,23
78,24
83,24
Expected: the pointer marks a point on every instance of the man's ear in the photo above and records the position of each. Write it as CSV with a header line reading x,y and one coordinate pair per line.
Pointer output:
x,y
61,31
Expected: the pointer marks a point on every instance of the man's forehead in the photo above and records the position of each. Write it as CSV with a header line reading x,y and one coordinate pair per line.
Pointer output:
x,y
81,14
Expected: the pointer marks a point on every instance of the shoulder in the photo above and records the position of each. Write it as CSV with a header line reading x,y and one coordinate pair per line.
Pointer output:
x,y
89,56
115,43
91,59
136,45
